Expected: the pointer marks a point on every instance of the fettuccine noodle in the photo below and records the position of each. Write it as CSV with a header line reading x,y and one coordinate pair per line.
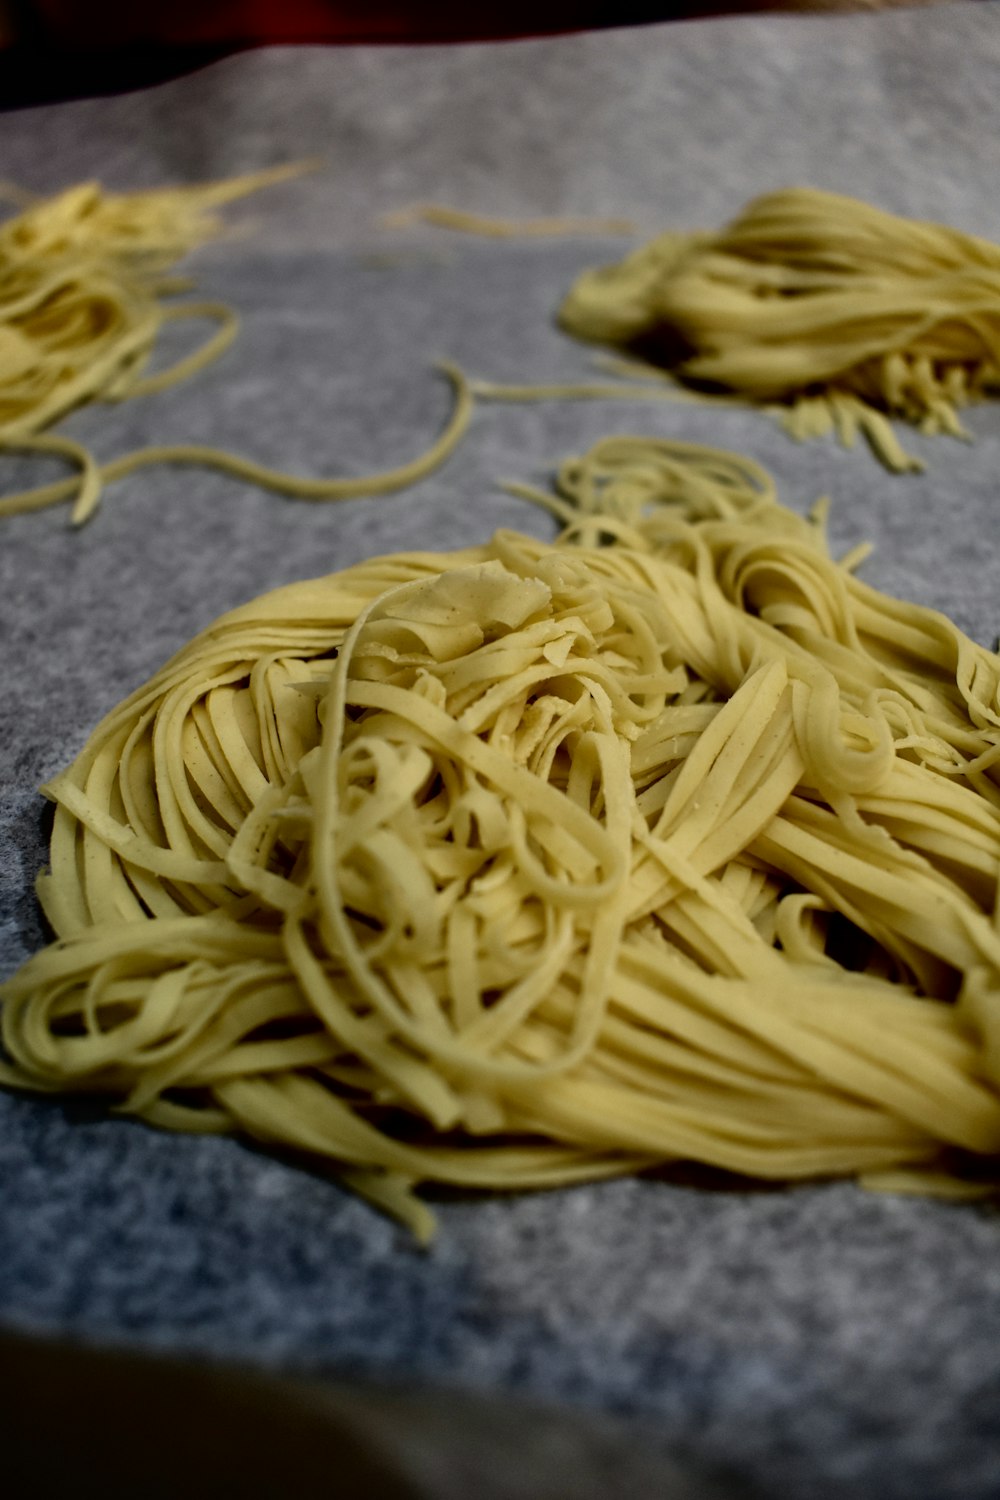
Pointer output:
x,y
843,313
537,862
489,227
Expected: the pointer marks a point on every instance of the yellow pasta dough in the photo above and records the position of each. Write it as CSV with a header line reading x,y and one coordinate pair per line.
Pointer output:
x,y
544,862
843,313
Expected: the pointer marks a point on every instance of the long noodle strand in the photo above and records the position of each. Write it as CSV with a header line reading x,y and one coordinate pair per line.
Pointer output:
x,y
86,487
489,227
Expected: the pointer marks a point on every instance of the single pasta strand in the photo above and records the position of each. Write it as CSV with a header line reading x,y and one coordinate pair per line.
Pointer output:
x,y
490,227
87,487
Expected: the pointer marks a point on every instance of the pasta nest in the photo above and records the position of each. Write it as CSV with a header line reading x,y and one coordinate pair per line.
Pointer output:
x,y
543,862
83,302
816,300
81,288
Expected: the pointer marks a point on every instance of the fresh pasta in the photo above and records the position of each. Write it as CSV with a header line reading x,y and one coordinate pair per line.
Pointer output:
x,y
843,314
84,297
82,292
542,862
489,227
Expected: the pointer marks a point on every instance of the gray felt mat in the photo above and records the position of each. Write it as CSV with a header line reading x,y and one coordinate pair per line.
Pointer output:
x,y
821,1341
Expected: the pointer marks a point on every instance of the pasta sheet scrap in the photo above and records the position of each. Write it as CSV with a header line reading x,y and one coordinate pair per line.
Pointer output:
x,y
538,862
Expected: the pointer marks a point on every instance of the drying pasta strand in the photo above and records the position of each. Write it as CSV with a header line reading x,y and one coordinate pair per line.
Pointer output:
x,y
86,488
490,227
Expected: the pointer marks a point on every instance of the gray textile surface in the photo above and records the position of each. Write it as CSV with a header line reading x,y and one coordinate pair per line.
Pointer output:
x,y
821,1341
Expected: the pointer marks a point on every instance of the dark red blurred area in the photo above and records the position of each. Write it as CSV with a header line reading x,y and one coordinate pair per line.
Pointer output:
x,y
210,23
62,49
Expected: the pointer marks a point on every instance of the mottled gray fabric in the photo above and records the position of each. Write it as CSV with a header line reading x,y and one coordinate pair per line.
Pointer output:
x,y
822,1341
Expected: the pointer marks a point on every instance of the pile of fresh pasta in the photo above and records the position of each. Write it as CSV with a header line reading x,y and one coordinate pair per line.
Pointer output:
x,y
842,313
832,313
540,862
84,298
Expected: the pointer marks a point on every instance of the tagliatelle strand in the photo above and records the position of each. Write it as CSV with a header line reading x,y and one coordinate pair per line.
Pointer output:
x,y
86,489
490,227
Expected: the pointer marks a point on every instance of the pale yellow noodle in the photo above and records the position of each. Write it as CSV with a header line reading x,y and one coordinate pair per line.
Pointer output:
x,y
490,227
87,487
